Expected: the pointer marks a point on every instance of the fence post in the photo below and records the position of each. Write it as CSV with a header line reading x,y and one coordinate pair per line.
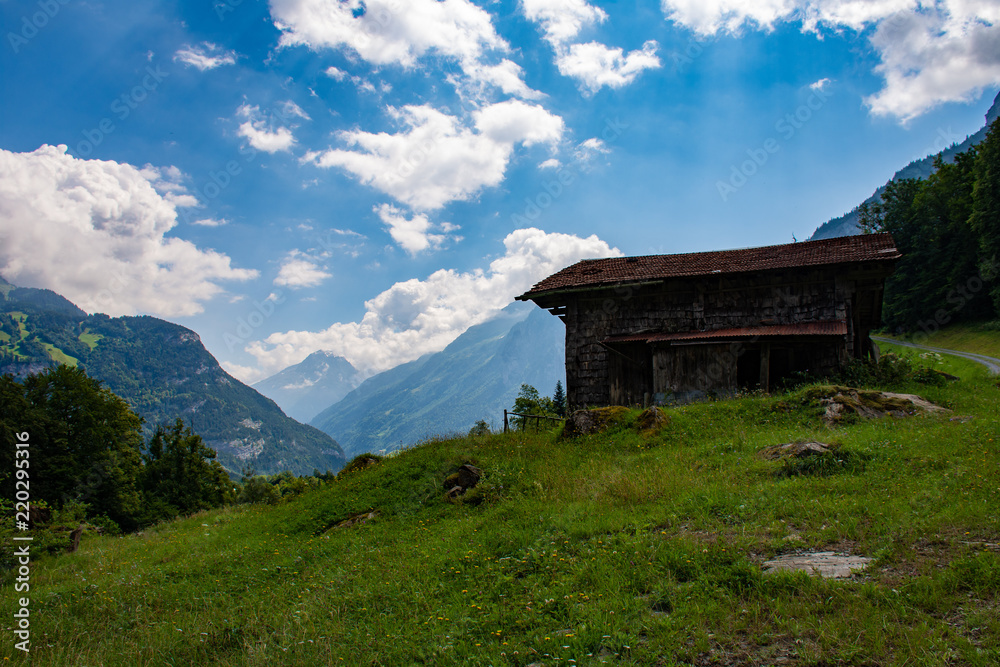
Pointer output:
x,y
505,420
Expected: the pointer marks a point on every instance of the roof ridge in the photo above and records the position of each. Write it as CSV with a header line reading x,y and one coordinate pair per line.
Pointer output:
x,y
641,268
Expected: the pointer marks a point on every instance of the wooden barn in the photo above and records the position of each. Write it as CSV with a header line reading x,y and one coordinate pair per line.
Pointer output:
x,y
665,328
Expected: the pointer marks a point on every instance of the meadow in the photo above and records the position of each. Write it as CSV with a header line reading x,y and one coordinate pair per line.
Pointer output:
x,y
629,547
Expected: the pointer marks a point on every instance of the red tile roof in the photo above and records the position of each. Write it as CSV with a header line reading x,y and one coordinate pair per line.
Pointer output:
x,y
620,270
833,328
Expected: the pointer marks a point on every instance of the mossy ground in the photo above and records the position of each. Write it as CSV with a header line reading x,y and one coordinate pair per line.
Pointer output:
x,y
635,547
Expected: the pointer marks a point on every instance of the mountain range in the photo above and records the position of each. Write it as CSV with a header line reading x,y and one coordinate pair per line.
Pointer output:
x,y
847,224
307,388
164,372
474,378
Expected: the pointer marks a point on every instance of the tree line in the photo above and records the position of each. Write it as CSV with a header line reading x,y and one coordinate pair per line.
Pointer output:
x,y
87,452
947,228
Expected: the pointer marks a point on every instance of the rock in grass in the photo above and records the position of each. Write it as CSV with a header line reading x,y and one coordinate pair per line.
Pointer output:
x,y
845,403
826,564
460,481
796,450
358,519
652,419
585,422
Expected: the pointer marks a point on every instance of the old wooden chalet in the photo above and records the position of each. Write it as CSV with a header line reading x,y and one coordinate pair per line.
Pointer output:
x,y
665,328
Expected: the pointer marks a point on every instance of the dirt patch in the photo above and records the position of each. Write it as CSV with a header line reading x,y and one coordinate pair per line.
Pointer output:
x,y
747,652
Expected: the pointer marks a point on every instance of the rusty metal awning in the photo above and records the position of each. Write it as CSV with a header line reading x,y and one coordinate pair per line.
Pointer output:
x,y
811,329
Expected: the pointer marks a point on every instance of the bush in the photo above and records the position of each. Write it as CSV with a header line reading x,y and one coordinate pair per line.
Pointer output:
x,y
480,429
358,463
890,371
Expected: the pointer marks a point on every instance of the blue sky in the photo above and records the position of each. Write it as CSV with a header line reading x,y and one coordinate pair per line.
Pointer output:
x,y
372,178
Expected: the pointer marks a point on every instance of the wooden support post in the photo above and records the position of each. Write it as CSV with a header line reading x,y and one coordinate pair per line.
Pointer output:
x,y
765,367
505,420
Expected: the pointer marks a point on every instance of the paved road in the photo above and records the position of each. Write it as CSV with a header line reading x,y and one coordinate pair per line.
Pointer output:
x,y
991,363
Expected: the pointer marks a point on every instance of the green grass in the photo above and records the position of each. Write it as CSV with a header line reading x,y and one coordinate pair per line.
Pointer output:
x,y
976,338
20,318
643,549
90,339
59,356
958,366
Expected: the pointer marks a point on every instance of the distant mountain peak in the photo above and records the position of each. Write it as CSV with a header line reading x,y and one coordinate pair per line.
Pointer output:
x,y
304,389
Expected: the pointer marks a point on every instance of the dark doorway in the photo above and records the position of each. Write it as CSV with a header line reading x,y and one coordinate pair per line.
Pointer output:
x,y
748,369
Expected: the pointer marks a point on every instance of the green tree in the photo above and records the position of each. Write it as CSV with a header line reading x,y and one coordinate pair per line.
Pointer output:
x,y
559,400
85,443
985,219
935,281
528,402
181,475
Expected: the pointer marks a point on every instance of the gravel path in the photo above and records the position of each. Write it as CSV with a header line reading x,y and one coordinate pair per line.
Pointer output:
x,y
991,363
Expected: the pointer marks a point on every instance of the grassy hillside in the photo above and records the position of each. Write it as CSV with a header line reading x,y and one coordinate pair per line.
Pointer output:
x,y
637,548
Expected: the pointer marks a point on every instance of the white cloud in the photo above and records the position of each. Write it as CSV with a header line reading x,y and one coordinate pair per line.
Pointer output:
x,y
938,56
300,270
245,374
435,160
390,32
594,65
562,20
168,182
551,163
210,222
820,85
415,317
507,76
205,56
514,121
260,134
96,232
290,108
588,150
335,73
932,52
413,234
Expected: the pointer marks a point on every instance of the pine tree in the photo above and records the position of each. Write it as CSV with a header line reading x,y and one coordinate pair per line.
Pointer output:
x,y
559,399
